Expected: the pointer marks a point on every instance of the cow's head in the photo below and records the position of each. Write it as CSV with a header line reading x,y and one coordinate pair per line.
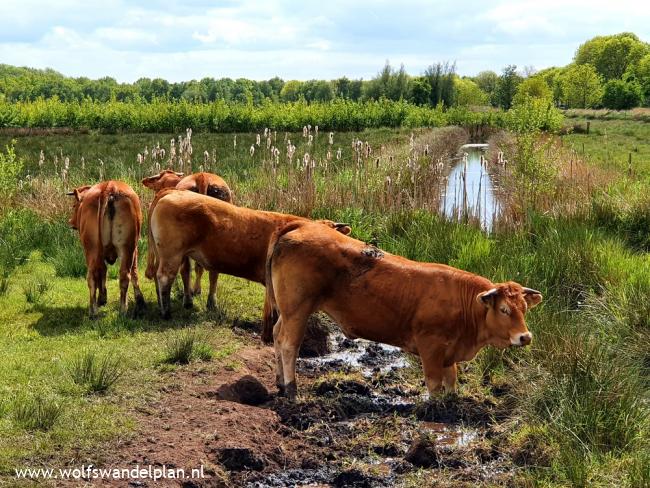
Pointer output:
x,y
344,229
165,179
78,194
507,305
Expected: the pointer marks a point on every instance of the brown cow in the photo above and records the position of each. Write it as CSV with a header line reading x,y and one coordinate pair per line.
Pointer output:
x,y
108,218
206,184
440,313
220,237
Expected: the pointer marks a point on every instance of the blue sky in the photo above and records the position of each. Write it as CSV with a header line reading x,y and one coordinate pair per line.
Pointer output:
x,y
301,40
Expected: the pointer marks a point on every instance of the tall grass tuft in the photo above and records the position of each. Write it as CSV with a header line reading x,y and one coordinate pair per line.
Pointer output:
x,y
97,374
36,411
183,346
35,291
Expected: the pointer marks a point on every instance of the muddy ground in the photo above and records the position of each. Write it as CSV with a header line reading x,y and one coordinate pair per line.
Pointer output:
x,y
361,420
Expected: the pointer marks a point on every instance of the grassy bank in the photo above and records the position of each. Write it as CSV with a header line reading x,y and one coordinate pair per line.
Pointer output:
x,y
578,398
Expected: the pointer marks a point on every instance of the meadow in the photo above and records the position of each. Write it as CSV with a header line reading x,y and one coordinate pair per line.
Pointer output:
x,y
573,226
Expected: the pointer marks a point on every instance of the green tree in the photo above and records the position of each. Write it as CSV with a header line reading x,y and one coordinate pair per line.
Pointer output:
x,y
506,87
612,55
468,93
291,91
581,86
622,95
534,87
419,90
441,79
487,81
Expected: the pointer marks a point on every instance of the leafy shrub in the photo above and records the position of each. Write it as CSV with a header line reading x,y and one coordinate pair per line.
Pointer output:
x,y
621,95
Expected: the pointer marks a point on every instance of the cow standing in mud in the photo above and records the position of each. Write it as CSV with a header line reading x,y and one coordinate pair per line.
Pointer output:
x,y
108,218
206,184
442,314
220,237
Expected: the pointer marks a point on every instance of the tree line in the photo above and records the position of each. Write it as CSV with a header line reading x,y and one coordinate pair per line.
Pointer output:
x,y
607,71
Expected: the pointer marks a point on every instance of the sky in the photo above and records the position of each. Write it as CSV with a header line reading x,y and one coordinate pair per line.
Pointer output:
x,y
192,39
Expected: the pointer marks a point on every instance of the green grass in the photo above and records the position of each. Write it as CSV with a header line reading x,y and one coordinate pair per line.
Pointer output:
x,y
44,351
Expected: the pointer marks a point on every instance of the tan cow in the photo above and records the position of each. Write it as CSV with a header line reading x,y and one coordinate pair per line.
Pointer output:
x,y
220,237
206,184
442,314
108,218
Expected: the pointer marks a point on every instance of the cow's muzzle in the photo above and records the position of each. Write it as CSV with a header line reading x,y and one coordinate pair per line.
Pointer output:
x,y
521,339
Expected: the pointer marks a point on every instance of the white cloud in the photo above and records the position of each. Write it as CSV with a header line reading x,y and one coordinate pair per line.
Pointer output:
x,y
304,40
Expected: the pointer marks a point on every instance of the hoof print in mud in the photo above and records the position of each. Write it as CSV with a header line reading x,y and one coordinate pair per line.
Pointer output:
x,y
334,387
423,453
239,459
247,390
353,478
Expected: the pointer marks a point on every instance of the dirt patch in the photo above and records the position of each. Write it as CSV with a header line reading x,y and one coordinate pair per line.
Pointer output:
x,y
200,421
359,421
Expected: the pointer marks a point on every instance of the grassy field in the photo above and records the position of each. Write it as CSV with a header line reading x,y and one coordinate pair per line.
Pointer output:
x,y
578,398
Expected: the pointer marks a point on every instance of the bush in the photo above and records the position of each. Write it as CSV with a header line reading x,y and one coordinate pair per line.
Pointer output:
x,y
621,95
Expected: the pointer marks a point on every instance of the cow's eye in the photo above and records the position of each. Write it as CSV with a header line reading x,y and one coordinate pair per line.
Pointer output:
x,y
505,311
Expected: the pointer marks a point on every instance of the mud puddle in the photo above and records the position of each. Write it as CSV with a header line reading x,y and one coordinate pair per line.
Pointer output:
x,y
361,406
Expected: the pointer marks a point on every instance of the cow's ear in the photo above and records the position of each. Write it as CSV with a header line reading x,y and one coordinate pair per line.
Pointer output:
x,y
532,297
344,229
77,192
151,181
487,298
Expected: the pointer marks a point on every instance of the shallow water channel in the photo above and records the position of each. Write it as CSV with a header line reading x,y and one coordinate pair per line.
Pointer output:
x,y
471,192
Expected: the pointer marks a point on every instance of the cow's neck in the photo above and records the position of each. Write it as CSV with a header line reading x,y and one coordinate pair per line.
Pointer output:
x,y
473,336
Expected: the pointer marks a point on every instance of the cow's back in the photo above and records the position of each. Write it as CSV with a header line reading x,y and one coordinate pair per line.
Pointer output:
x,y
372,294
218,235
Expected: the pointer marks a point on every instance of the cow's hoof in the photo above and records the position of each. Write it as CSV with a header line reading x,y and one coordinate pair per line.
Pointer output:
x,y
101,301
140,307
166,315
291,391
281,390
210,304
188,303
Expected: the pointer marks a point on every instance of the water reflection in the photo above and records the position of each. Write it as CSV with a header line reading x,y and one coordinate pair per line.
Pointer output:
x,y
470,192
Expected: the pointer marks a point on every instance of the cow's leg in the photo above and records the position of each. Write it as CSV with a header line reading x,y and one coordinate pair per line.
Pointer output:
x,y
91,278
167,271
140,304
211,304
185,276
198,269
103,294
434,371
125,279
279,373
449,376
290,338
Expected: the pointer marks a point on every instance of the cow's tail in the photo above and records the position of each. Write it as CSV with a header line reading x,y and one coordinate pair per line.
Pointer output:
x,y
152,257
270,305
